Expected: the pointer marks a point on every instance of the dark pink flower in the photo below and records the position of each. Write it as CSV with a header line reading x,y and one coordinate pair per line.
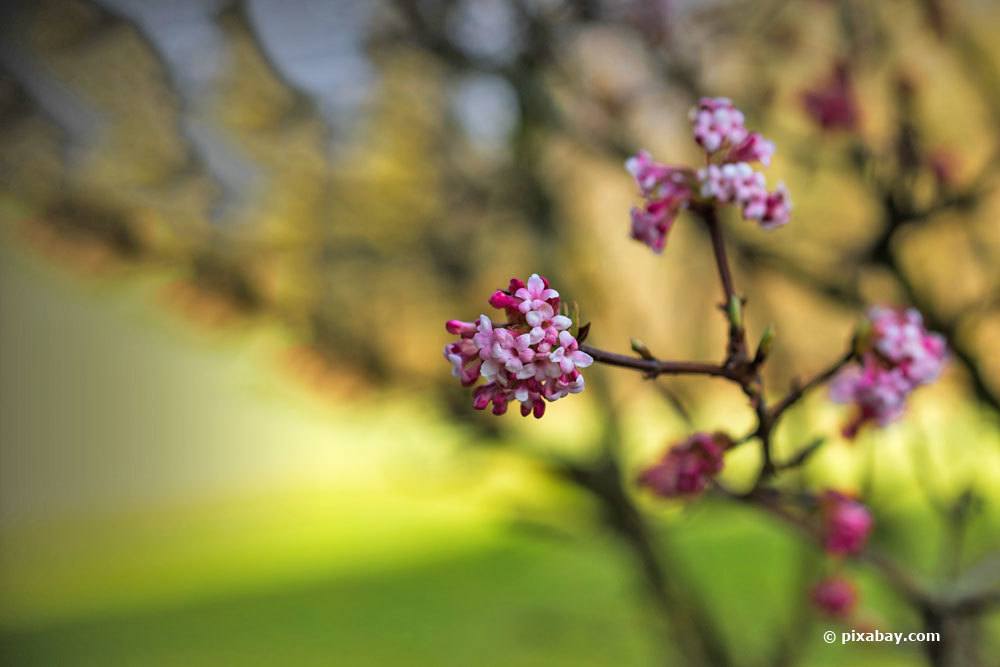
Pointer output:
x,y
652,222
777,208
832,105
463,354
835,596
846,523
687,467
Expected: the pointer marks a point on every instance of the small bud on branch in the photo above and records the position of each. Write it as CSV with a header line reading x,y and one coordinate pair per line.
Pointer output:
x,y
764,346
640,348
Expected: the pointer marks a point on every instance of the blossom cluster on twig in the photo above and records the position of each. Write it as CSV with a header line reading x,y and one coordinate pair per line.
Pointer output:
x,y
727,178
533,357
897,355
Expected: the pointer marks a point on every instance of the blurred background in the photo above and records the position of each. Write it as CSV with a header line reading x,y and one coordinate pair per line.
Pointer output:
x,y
230,233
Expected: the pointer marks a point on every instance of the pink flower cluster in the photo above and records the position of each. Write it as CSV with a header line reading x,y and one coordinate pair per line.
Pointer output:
x,y
530,357
666,191
686,468
728,178
718,128
716,122
835,597
898,355
738,183
846,523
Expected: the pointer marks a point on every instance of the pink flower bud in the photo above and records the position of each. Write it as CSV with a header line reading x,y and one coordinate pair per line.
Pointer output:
x,y
482,396
651,223
777,208
754,148
502,300
460,328
835,597
846,523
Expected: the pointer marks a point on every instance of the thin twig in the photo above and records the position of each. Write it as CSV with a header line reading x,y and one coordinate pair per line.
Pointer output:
x,y
799,391
654,367
803,455
732,304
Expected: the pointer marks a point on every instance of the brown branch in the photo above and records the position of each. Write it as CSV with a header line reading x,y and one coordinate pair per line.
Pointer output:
x,y
654,367
711,219
799,391
802,455
737,348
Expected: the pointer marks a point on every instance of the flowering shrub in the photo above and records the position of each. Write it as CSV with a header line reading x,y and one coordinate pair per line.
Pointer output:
x,y
533,356
530,357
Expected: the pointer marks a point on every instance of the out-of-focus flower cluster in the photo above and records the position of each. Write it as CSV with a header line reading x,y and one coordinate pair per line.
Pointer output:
x,y
835,596
846,523
897,355
687,467
718,128
530,358
832,104
728,178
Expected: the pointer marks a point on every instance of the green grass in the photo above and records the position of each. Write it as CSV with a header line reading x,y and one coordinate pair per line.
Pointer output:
x,y
520,602
520,599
